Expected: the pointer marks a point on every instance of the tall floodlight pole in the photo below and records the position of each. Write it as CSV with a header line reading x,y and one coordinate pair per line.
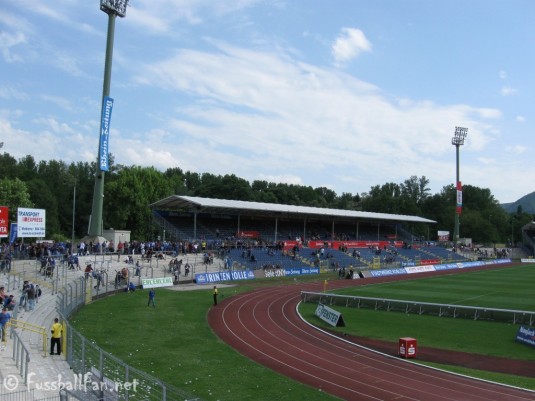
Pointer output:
x,y
73,216
458,141
113,8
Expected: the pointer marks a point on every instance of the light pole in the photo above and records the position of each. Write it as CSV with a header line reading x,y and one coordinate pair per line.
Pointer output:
x,y
512,232
113,8
458,141
73,215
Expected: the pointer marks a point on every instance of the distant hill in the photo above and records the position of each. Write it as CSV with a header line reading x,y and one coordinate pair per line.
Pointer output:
x,y
527,202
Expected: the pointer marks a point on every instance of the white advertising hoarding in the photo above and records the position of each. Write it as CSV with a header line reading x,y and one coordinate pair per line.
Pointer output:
x,y
31,223
157,282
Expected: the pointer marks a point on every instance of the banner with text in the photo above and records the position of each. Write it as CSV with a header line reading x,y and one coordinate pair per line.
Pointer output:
x,y
301,271
329,315
459,207
4,221
31,223
107,106
443,236
526,335
157,282
248,234
353,244
207,278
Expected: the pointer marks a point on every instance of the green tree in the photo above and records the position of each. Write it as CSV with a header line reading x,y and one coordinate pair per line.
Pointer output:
x,y
8,166
382,199
14,194
128,197
348,201
177,180
43,197
232,187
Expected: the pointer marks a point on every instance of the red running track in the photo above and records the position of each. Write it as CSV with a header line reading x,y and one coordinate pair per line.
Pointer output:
x,y
264,326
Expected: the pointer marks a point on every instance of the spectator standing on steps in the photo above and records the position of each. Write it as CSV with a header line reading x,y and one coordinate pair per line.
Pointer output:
x,y
5,316
55,339
31,294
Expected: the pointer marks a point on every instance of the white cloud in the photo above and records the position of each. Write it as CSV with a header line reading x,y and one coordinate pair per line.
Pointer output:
x,y
68,64
55,126
65,104
517,149
508,91
9,92
160,17
489,161
282,179
349,44
251,109
8,42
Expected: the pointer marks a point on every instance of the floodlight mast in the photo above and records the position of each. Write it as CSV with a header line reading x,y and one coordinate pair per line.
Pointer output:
x,y
458,141
117,7
113,8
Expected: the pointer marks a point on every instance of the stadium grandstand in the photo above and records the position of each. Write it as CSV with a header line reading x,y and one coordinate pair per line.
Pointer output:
x,y
258,235
195,218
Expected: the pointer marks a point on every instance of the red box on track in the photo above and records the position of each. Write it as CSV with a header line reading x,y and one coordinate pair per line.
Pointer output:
x,y
408,347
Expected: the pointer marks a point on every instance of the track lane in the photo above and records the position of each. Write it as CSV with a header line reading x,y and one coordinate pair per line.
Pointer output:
x,y
264,326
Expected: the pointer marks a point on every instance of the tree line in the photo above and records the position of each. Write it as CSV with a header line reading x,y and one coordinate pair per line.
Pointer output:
x,y
61,188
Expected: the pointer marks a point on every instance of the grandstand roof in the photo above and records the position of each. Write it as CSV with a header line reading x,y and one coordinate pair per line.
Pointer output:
x,y
206,205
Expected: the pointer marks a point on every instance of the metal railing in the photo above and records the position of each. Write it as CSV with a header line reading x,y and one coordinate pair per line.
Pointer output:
x,y
40,330
25,395
113,379
108,372
21,355
421,308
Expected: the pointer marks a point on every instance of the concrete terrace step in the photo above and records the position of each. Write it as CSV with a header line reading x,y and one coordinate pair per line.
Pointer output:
x,y
43,368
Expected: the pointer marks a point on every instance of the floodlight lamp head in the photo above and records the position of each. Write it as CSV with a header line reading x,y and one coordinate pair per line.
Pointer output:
x,y
460,135
117,7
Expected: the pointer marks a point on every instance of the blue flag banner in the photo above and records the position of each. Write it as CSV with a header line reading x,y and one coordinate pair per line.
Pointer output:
x,y
13,233
107,106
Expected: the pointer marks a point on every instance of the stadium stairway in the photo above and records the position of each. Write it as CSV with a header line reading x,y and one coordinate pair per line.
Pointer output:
x,y
45,369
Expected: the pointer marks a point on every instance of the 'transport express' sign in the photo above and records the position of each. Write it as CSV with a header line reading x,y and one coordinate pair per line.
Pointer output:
x,y
31,223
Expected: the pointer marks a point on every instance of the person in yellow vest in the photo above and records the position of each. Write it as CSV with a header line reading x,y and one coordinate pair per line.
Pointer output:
x,y
55,340
215,295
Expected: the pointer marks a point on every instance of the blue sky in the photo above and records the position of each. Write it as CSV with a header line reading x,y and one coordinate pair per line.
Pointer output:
x,y
345,94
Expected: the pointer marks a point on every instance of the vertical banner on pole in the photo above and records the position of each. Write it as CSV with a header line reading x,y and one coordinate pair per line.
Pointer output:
x,y
459,197
13,233
107,106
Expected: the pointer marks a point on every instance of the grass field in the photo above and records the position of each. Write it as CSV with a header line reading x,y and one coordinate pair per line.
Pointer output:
x,y
175,343
504,288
